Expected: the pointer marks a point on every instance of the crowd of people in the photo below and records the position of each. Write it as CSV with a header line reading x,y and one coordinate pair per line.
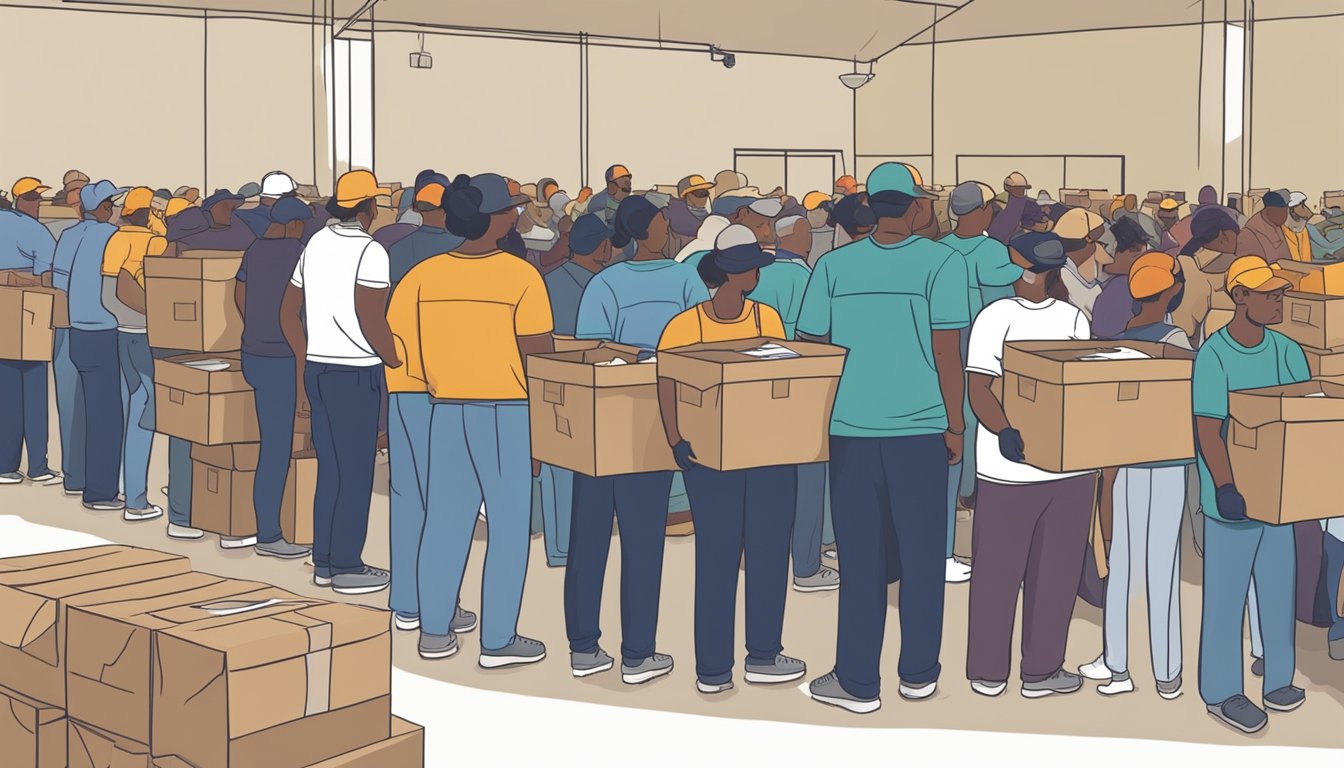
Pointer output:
x,y
410,326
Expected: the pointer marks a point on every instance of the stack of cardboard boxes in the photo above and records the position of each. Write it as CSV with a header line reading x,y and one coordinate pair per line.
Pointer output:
x,y
1313,314
113,657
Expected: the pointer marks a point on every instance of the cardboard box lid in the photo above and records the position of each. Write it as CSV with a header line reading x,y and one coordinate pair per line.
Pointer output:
x,y
1317,400
19,278
42,713
171,372
580,367
703,366
199,264
239,456
39,301
163,611
1057,362
264,628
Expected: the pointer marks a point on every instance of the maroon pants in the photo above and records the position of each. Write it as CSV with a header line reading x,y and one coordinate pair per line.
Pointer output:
x,y
1033,538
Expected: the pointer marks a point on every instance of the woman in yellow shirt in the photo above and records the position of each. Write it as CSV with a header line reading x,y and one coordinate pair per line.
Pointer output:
x,y
747,510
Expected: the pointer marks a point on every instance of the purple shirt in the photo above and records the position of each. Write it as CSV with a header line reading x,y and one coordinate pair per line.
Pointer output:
x,y
268,265
1009,220
1113,309
392,234
237,236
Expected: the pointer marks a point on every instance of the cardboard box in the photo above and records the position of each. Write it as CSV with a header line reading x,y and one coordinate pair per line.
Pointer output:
x,y
1216,320
189,301
29,317
37,590
404,749
1281,442
53,211
1313,320
571,344
596,419
739,411
1325,363
1079,414
91,747
205,407
32,734
222,479
20,278
1314,277
296,511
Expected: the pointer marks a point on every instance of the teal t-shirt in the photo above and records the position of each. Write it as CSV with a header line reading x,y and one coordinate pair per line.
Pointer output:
x,y
990,273
882,303
1224,366
781,286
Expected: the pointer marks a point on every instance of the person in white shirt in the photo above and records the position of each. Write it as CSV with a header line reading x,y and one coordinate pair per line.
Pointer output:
x,y
1080,231
341,285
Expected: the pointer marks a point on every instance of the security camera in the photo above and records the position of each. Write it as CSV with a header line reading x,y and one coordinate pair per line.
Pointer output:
x,y
728,60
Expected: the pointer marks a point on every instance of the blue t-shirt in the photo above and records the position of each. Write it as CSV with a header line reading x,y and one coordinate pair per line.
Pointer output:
x,y
883,303
24,242
268,265
414,248
77,269
781,286
633,301
990,272
1224,366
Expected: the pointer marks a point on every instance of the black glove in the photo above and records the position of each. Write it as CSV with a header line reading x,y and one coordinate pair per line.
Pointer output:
x,y
683,454
1011,445
1231,506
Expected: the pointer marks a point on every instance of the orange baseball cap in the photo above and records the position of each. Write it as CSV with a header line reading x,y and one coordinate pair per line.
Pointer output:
x,y
848,183
137,199
354,187
26,186
1151,274
814,200
615,172
1252,272
431,193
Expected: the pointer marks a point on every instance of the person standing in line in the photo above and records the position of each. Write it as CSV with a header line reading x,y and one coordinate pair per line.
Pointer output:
x,y
1114,306
466,322
1204,261
1010,220
1083,274
1263,233
340,287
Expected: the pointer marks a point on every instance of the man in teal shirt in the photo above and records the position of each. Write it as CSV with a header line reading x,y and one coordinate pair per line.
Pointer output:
x,y
1239,552
897,302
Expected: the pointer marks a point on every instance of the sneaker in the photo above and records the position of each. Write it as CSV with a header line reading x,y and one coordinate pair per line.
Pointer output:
x,y
827,690
176,531
918,692
591,663
360,582
988,688
1238,712
830,554
1286,699
1060,682
1120,683
47,478
1169,690
1096,670
280,548
1337,649
11,478
1258,667
112,505
141,515
522,650
437,647
651,668
406,622
957,571
710,689
73,491
237,542
782,670
824,580
464,621
321,581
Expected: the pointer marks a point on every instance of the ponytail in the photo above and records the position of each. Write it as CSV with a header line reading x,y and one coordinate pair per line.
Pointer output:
x,y
709,270
462,206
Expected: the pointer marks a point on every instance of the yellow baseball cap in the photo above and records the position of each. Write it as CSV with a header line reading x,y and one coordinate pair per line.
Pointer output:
x,y
1254,273
1168,204
27,185
175,206
1077,223
137,199
693,183
354,187
1151,274
814,200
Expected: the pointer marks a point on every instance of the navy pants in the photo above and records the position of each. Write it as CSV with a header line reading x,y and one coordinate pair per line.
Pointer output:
x,y
23,390
890,488
272,382
745,511
95,356
640,504
344,402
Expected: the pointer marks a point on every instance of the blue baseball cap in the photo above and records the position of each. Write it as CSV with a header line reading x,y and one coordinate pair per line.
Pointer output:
x,y
288,209
219,196
897,177
730,204
588,233
94,195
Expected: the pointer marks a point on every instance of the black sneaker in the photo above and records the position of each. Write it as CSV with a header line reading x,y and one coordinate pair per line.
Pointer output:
x,y
1238,712
1285,699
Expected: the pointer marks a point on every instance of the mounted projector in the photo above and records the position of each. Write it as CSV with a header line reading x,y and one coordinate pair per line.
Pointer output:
x,y
854,80
420,59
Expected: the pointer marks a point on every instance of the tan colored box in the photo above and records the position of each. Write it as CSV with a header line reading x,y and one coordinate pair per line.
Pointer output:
x,y
222,479
596,419
1281,443
20,278
404,749
91,747
204,407
29,317
1325,363
53,211
740,411
32,734
1216,320
189,301
1313,320
963,531
571,344
296,511
1077,414
36,592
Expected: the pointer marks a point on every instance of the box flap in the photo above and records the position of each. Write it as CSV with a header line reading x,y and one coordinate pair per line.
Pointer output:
x,y
1058,362
580,366
200,264
703,366
171,372
270,627
1309,401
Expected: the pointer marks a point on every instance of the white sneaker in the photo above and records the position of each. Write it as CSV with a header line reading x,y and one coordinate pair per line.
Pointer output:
x,y
915,693
69,492
141,515
1117,687
176,531
321,581
1096,670
50,478
237,542
957,571
986,688
406,623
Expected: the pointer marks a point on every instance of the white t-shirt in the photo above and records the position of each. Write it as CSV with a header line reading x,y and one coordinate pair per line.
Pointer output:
x,y
337,258
1016,319
1082,293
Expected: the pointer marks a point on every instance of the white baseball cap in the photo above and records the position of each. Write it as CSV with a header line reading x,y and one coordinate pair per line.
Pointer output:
x,y
276,184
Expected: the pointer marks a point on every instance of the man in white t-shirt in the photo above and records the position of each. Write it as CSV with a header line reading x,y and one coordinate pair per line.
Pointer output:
x,y
341,284
1027,521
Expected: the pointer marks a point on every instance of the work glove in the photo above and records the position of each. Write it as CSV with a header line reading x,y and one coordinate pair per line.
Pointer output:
x,y
1011,445
1231,506
684,455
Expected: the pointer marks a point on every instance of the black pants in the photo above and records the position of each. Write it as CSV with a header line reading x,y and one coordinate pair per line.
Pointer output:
x,y
94,354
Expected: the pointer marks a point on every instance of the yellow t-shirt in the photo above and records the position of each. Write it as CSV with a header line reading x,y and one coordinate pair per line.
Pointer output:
x,y
1299,244
456,320
127,250
697,326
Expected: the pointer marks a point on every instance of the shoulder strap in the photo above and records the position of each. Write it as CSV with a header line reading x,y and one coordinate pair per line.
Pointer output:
x,y
756,315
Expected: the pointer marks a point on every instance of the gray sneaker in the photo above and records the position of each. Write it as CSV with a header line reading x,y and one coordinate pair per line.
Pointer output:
x,y
824,580
464,621
11,478
653,667
1258,667
1169,690
782,670
281,549
1337,649
1060,682
361,582
827,690
112,505
1238,712
1286,699
585,664
438,647
522,650
710,689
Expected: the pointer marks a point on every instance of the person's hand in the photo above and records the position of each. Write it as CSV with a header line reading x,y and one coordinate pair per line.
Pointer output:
x,y
302,409
955,442
536,468
566,224
1231,506
684,455
1011,445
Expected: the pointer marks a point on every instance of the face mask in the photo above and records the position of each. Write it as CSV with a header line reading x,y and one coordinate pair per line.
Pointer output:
x,y
1029,277
513,243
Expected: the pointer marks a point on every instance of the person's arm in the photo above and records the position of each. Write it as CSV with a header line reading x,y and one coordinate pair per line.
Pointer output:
x,y
130,292
814,316
597,312
43,250
952,383
539,344
667,407
987,408
1213,449
240,297
1106,503
291,324
371,309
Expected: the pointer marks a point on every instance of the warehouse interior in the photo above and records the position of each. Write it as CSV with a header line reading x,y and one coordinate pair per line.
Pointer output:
x,y
1124,96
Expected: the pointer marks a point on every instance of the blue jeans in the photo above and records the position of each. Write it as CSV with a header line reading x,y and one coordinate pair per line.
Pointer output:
x,y
137,376
69,412
642,517
23,390
1234,553
904,480
1334,565
179,456
344,404
557,503
479,451
94,354
272,382
740,514
408,415
809,519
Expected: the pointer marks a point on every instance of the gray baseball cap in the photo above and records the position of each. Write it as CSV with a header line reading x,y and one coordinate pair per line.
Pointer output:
x,y
969,196
495,195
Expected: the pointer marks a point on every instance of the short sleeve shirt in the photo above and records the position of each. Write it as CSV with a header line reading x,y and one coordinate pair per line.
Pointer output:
x,y
781,286
698,326
632,302
266,269
990,273
338,258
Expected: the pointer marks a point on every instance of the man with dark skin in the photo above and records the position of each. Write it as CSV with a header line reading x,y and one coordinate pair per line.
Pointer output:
x,y
1007,222
1263,234
759,217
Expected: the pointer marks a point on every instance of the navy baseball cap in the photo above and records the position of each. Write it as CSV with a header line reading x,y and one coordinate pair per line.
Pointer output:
x,y
588,233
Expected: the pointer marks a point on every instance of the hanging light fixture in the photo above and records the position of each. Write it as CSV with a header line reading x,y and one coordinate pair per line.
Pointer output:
x,y
420,59
856,79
